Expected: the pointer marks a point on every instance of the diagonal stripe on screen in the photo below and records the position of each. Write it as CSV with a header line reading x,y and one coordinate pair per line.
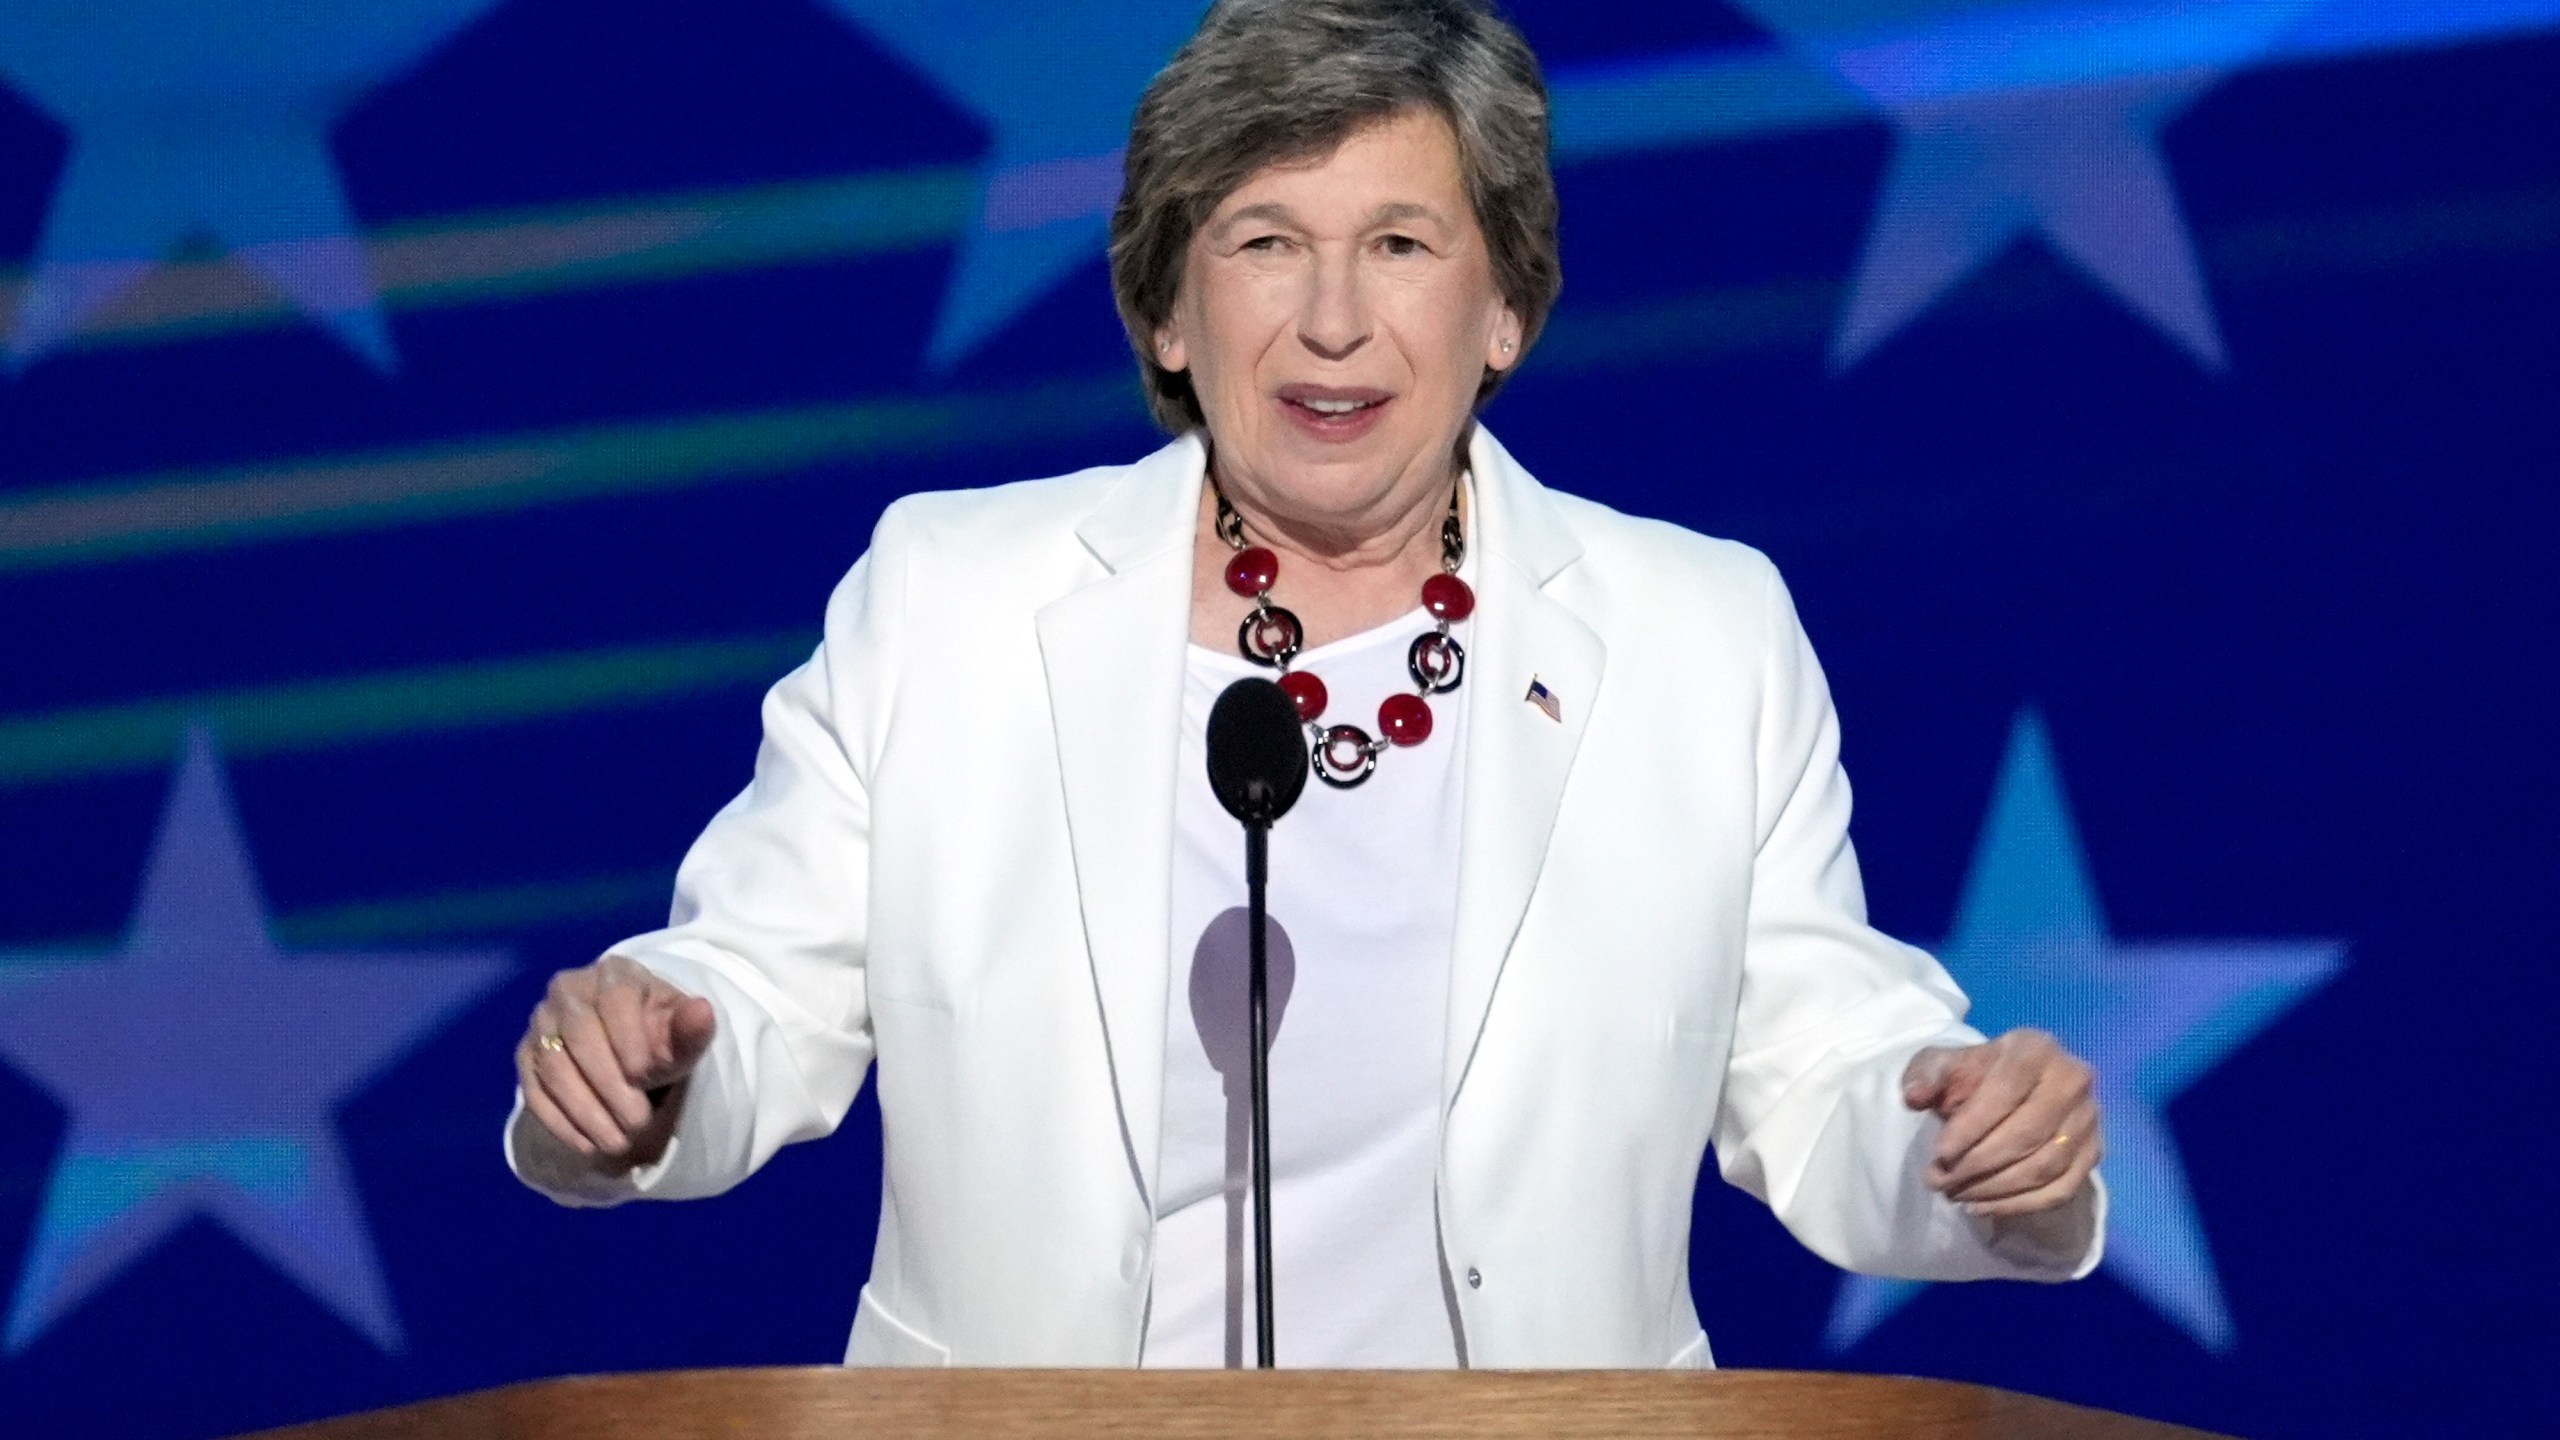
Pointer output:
x,y
70,744
192,509
475,259
482,911
485,910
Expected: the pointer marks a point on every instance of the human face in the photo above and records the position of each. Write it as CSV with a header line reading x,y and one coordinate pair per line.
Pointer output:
x,y
1336,316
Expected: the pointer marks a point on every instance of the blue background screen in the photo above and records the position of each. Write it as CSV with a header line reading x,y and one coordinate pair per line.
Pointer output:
x,y
427,425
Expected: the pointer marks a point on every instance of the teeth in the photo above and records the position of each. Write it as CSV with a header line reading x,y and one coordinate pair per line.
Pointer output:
x,y
1334,407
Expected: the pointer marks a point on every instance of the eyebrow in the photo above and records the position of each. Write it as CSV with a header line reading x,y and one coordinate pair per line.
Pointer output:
x,y
1278,214
1404,210
1270,210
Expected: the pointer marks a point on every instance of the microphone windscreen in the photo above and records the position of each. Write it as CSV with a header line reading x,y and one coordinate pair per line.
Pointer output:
x,y
1257,751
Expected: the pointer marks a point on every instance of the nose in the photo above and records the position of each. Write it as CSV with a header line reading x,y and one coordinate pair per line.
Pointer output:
x,y
1334,322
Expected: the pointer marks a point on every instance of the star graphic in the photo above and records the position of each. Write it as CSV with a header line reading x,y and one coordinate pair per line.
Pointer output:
x,y
2022,121
206,123
1056,81
201,1066
2032,947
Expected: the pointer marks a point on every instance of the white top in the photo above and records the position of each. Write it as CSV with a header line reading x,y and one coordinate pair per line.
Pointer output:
x,y
1363,904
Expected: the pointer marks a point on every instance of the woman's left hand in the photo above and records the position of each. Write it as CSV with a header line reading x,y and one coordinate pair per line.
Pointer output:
x,y
2021,1133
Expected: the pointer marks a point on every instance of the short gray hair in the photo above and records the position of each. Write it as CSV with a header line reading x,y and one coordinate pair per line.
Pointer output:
x,y
1266,81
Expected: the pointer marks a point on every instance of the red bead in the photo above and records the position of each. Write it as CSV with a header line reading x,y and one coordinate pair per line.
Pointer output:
x,y
1306,692
1405,719
1446,597
1252,571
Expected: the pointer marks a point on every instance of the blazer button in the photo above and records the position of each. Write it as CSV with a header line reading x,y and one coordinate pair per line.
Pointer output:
x,y
1133,1261
1475,1278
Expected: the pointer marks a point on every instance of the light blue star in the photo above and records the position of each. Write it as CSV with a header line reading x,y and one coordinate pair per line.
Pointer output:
x,y
202,1066
1056,81
2031,947
2024,121
192,121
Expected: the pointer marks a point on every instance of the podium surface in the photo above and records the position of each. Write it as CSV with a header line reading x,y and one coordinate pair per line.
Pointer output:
x,y
832,1401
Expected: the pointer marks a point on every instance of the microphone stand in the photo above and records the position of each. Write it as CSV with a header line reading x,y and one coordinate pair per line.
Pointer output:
x,y
1257,865
1258,766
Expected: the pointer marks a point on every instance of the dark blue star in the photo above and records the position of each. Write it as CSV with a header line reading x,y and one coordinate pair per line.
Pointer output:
x,y
202,1067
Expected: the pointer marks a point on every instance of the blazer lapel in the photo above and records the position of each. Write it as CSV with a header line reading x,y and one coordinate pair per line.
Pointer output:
x,y
1113,650
1517,757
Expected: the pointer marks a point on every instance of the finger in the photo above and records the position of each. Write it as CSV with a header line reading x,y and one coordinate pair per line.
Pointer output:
x,y
2004,1085
2051,1196
583,1033
538,1102
629,1030
574,986
2054,1090
1965,1076
2074,1136
558,1077
689,1032
1924,1080
1962,1078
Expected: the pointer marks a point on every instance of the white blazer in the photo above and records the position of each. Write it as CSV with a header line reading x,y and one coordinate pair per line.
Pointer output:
x,y
955,859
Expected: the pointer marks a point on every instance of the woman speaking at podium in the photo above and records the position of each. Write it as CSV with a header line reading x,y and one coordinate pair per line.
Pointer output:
x,y
1573,901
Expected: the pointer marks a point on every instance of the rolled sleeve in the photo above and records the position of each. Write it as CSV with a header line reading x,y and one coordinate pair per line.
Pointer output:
x,y
771,914
1812,1119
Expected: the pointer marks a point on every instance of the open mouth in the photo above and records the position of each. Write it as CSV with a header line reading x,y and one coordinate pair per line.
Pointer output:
x,y
1332,412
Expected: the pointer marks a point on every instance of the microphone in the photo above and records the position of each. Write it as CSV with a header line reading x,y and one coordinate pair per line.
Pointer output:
x,y
1258,766
1257,751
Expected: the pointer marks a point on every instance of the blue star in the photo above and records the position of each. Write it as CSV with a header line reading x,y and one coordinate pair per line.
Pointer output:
x,y
2032,948
196,122
201,1066
2019,121
1056,81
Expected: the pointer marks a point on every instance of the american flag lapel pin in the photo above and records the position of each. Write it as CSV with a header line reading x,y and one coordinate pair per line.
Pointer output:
x,y
1545,699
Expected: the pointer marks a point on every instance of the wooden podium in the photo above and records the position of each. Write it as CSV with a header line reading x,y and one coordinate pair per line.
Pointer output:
x,y
805,1404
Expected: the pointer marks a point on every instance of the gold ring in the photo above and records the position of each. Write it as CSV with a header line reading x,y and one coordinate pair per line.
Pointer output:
x,y
552,1042
2062,1139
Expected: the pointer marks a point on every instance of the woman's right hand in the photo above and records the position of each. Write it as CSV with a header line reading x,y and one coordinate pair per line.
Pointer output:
x,y
604,1036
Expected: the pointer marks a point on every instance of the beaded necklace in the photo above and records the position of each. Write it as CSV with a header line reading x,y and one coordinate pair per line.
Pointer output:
x,y
1344,755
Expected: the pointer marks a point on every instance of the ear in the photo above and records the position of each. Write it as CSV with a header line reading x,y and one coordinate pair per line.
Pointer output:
x,y
1502,345
1171,353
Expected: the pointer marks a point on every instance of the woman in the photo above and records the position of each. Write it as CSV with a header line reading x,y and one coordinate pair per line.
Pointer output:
x,y
1577,901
